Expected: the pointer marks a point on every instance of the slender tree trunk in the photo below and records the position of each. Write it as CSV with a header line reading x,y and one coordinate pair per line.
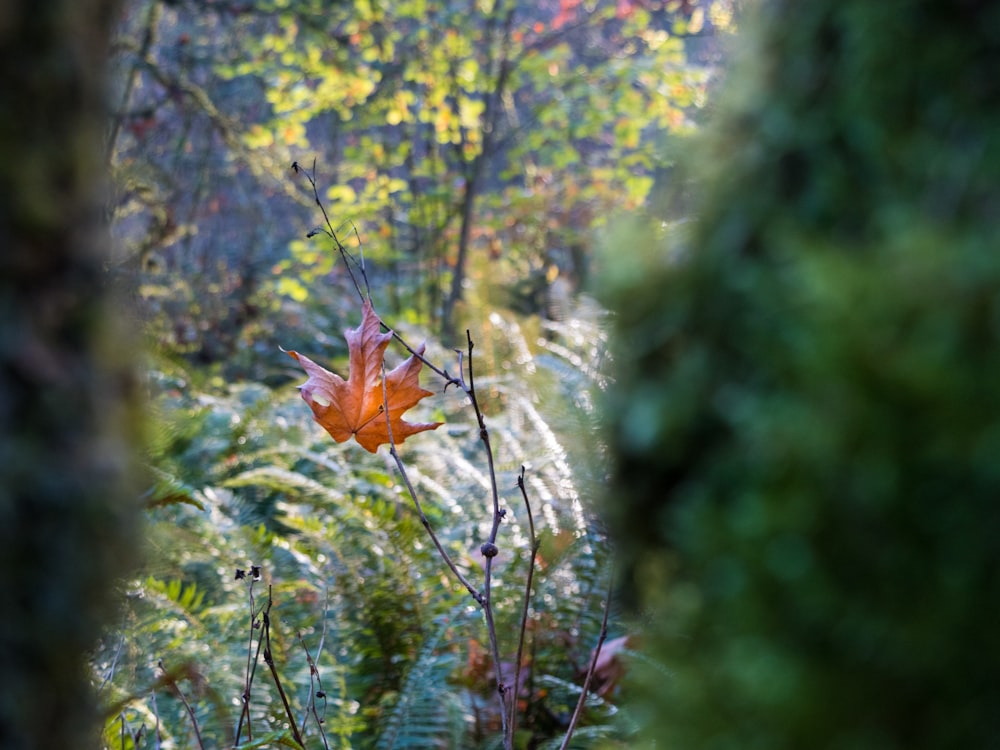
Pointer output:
x,y
64,390
473,178
448,332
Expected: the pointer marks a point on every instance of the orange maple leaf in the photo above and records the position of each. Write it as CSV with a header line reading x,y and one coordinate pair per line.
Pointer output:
x,y
356,406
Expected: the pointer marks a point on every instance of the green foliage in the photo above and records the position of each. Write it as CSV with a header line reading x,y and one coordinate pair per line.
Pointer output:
x,y
805,415
244,477
443,132
460,141
68,416
426,712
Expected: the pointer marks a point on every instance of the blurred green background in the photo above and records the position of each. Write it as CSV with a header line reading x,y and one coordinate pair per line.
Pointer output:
x,y
805,421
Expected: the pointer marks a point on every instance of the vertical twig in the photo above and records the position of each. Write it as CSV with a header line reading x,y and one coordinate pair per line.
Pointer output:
x,y
535,543
253,658
314,683
269,660
593,666
484,435
489,548
332,233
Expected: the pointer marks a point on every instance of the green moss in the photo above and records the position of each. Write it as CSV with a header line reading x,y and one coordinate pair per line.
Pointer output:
x,y
807,407
67,510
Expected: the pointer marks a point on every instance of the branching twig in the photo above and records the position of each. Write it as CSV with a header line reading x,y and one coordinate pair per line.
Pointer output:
x,y
269,660
330,232
350,260
535,544
590,670
480,599
315,688
253,659
489,547
507,694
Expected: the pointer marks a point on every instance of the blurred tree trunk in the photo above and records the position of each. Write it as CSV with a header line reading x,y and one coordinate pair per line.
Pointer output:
x,y
64,386
806,404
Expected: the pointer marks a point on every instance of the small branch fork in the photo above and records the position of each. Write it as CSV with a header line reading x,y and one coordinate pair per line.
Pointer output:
x,y
506,694
260,620
578,711
489,548
315,689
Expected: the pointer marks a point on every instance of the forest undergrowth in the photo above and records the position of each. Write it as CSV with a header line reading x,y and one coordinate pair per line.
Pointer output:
x,y
292,596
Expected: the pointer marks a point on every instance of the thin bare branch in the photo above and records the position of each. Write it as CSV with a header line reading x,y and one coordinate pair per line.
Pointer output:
x,y
315,687
535,544
330,232
578,711
269,660
484,435
489,548
253,658
416,501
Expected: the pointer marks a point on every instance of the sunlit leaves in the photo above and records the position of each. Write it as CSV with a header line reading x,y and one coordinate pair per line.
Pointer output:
x,y
401,100
290,286
341,194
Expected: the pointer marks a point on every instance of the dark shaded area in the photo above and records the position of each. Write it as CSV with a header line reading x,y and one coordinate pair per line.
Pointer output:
x,y
64,383
806,419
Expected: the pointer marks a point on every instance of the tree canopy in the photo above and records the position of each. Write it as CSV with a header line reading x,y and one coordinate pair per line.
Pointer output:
x,y
450,139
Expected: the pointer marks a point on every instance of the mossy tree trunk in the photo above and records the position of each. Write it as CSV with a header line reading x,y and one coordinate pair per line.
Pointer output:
x,y
64,386
806,418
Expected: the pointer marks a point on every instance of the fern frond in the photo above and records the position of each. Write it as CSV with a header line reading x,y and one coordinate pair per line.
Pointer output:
x,y
427,712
